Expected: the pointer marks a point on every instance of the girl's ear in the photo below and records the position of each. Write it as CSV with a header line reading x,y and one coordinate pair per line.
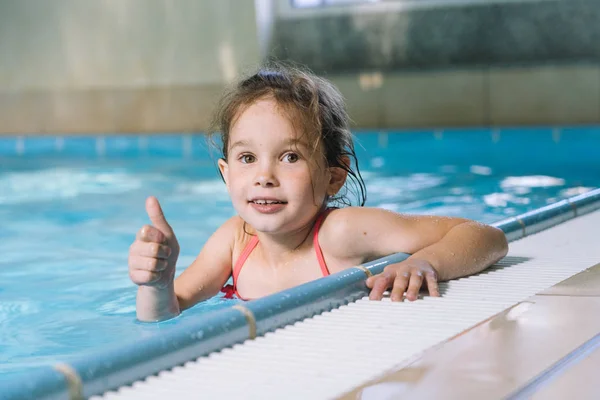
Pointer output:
x,y
224,169
338,177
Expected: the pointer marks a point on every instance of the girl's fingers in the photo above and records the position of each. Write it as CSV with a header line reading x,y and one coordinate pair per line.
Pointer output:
x,y
147,263
416,281
409,281
381,283
148,233
432,284
400,284
141,277
150,249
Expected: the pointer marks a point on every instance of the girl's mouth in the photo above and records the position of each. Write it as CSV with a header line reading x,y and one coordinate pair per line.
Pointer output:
x,y
267,206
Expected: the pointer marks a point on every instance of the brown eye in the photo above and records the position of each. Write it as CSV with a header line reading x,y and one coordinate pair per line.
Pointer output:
x,y
291,157
247,158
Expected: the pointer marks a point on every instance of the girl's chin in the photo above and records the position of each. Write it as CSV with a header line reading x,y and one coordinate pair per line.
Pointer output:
x,y
277,219
268,223
267,228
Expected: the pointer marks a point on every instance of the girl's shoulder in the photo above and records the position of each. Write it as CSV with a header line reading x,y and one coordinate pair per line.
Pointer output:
x,y
234,232
346,220
344,228
354,222
373,232
237,228
233,225
377,232
240,234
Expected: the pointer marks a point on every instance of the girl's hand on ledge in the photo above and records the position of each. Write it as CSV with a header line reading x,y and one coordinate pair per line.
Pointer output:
x,y
408,276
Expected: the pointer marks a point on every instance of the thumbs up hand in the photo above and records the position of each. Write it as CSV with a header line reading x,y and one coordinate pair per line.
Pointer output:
x,y
153,254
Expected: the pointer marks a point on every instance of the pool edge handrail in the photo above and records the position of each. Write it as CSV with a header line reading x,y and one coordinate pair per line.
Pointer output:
x,y
223,328
550,215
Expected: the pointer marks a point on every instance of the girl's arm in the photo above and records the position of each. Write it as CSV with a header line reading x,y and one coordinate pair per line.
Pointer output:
x,y
203,279
466,248
442,248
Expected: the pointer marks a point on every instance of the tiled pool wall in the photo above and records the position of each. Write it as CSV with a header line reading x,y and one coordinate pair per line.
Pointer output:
x,y
199,145
175,145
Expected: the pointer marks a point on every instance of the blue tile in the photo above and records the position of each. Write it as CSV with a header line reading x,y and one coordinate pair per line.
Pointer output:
x,y
472,136
538,138
165,145
117,146
581,132
79,146
474,131
361,132
39,145
409,138
579,142
203,149
8,146
366,139
527,131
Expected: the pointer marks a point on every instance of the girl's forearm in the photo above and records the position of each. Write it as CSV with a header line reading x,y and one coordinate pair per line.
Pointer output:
x,y
466,249
156,304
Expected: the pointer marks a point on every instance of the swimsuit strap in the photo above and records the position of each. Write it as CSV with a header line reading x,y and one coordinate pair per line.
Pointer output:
x,y
320,257
242,259
254,242
231,290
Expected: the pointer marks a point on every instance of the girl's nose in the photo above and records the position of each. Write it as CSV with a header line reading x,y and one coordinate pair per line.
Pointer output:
x,y
266,177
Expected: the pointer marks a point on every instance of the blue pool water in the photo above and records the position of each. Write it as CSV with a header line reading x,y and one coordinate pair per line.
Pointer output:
x,y
70,209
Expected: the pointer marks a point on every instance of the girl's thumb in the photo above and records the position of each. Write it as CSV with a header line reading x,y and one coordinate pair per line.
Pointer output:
x,y
157,216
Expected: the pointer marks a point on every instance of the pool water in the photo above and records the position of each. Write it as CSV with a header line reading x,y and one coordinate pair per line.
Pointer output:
x,y
69,218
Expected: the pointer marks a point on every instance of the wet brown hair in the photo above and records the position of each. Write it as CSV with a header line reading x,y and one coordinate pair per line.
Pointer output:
x,y
315,107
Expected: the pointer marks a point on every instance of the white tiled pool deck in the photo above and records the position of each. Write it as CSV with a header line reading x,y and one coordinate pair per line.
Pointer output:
x,y
358,345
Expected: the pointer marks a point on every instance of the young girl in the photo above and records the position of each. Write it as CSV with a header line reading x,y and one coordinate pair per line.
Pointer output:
x,y
287,152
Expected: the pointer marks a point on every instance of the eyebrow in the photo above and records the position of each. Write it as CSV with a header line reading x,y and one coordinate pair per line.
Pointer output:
x,y
239,143
296,142
289,142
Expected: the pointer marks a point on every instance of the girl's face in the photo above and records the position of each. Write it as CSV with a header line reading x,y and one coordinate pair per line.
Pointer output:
x,y
274,184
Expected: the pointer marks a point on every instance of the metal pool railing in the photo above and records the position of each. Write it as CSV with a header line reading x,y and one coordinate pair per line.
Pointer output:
x,y
113,367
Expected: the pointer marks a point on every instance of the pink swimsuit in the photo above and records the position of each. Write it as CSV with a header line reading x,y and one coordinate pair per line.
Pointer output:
x,y
231,290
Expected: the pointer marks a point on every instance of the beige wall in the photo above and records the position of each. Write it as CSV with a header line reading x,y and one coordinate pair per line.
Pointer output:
x,y
102,65
536,95
77,66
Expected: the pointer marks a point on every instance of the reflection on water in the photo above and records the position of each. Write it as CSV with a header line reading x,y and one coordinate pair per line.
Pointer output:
x,y
530,181
56,183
